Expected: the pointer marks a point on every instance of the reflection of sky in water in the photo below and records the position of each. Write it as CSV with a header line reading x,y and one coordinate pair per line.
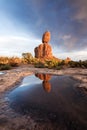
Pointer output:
x,y
57,95
1,73
30,80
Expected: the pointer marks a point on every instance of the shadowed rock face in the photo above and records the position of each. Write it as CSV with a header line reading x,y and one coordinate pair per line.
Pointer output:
x,y
44,50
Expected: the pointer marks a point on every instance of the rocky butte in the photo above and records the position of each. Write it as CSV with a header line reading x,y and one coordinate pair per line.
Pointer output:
x,y
44,50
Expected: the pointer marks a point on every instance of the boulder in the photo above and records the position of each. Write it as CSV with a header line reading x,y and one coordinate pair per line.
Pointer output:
x,y
46,37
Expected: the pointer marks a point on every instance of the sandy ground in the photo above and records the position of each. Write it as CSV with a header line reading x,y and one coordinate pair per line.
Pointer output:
x,y
9,120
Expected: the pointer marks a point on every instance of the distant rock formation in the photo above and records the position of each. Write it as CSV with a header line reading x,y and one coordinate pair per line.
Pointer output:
x,y
67,60
44,50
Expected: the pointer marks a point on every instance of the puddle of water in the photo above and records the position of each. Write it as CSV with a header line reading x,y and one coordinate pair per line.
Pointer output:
x,y
55,97
1,73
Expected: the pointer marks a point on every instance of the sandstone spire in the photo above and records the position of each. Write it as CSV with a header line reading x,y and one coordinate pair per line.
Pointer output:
x,y
46,37
44,50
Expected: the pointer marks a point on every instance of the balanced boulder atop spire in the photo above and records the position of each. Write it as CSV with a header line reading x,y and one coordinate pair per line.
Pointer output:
x,y
44,50
46,37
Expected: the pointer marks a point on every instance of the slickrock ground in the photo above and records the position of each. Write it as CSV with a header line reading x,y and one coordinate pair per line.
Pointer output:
x,y
9,120
14,76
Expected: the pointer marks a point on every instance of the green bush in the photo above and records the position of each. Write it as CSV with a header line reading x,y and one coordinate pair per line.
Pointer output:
x,y
55,64
27,58
39,65
51,63
58,67
5,67
84,63
78,64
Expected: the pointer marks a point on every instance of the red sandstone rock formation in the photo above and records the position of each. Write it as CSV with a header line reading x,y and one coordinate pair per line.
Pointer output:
x,y
44,50
67,60
46,37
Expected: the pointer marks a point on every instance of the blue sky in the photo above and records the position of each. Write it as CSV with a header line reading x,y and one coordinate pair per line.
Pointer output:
x,y
22,23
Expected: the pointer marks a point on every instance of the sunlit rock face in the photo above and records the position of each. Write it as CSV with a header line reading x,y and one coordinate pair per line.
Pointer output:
x,y
44,50
67,60
46,37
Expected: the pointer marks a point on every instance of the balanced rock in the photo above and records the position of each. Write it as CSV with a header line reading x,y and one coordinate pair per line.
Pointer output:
x,y
44,50
46,37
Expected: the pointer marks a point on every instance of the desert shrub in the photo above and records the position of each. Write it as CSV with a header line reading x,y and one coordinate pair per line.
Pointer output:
x,y
5,67
51,63
35,61
27,58
84,63
14,61
39,64
4,60
58,67
81,64
61,63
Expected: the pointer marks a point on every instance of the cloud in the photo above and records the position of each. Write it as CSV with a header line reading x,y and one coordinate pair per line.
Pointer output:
x,y
80,7
15,45
81,55
65,19
66,37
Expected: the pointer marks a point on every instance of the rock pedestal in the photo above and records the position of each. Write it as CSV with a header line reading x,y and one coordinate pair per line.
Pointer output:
x,y
44,50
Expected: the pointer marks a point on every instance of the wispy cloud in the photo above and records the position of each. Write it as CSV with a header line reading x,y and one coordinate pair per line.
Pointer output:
x,y
15,45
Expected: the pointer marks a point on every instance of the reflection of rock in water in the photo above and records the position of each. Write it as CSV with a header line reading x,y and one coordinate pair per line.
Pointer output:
x,y
44,77
46,84
65,105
